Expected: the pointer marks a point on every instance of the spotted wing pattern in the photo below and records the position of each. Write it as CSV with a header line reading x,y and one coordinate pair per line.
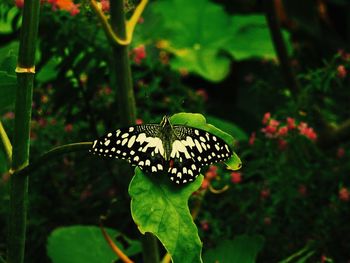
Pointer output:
x,y
140,145
191,150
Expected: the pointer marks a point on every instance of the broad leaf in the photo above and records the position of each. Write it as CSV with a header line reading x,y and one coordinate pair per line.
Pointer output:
x,y
243,249
229,127
205,36
81,244
197,38
251,38
160,207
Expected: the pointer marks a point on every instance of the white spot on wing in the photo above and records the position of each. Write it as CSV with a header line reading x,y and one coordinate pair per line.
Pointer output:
x,y
93,146
198,146
131,141
125,135
131,129
178,147
109,134
107,142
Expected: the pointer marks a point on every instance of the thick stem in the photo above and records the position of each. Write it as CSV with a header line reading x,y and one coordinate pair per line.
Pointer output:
x,y
121,79
21,141
280,46
150,248
120,67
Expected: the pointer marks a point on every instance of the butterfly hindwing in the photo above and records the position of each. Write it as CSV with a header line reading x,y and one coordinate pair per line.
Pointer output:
x,y
139,145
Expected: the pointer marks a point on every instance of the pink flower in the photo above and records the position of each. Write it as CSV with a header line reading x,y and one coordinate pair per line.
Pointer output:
x,y
202,93
344,194
204,225
252,138
290,123
68,127
139,53
139,121
266,118
236,177
341,71
307,131
9,115
205,183
211,173
340,152
282,131
271,129
19,3
105,5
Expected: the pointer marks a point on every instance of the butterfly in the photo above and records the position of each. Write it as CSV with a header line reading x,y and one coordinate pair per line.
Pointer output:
x,y
180,151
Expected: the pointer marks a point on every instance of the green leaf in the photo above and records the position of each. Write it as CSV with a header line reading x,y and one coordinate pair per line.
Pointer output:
x,y
160,207
229,127
205,36
81,244
251,38
196,39
198,121
243,249
49,71
8,85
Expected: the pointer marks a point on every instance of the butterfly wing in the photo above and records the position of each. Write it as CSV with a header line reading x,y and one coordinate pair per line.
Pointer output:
x,y
139,145
191,150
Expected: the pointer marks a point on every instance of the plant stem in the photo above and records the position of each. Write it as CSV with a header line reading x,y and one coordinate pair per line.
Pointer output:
x,y
150,251
120,67
20,158
6,143
280,46
54,153
122,80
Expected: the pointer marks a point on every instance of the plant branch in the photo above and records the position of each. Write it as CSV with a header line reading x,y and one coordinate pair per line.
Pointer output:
x,y
280,47
6,143
114,247
130,25
51,154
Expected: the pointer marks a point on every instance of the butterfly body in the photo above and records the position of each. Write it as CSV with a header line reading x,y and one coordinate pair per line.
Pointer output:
x,y
179,150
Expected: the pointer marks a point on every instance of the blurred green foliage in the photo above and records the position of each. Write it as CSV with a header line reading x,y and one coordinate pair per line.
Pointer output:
x,y
290,192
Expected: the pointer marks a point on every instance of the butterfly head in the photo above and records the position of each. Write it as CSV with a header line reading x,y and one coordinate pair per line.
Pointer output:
x,y
165,122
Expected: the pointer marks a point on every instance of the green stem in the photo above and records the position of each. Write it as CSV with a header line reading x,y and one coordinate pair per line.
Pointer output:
x,y
120,67
150,251
121,79
280,47
2,260
20,158
52,154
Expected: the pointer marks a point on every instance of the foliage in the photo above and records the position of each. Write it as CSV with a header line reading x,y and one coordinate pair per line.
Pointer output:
x,y
215,33
216,59
86,244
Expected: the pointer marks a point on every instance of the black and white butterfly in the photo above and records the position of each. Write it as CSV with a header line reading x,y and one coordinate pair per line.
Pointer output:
x,y
179,150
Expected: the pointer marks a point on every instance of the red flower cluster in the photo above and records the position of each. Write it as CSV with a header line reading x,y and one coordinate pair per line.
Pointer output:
x,y
209,175
344,194
275,129
138,54
236,177
67,5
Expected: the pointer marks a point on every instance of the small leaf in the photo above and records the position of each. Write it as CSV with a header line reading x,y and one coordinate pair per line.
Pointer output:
x,y
161,208
243,249
81,244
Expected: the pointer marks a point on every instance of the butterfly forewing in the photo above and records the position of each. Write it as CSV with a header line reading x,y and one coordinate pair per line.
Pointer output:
x,y
140,145
192,149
